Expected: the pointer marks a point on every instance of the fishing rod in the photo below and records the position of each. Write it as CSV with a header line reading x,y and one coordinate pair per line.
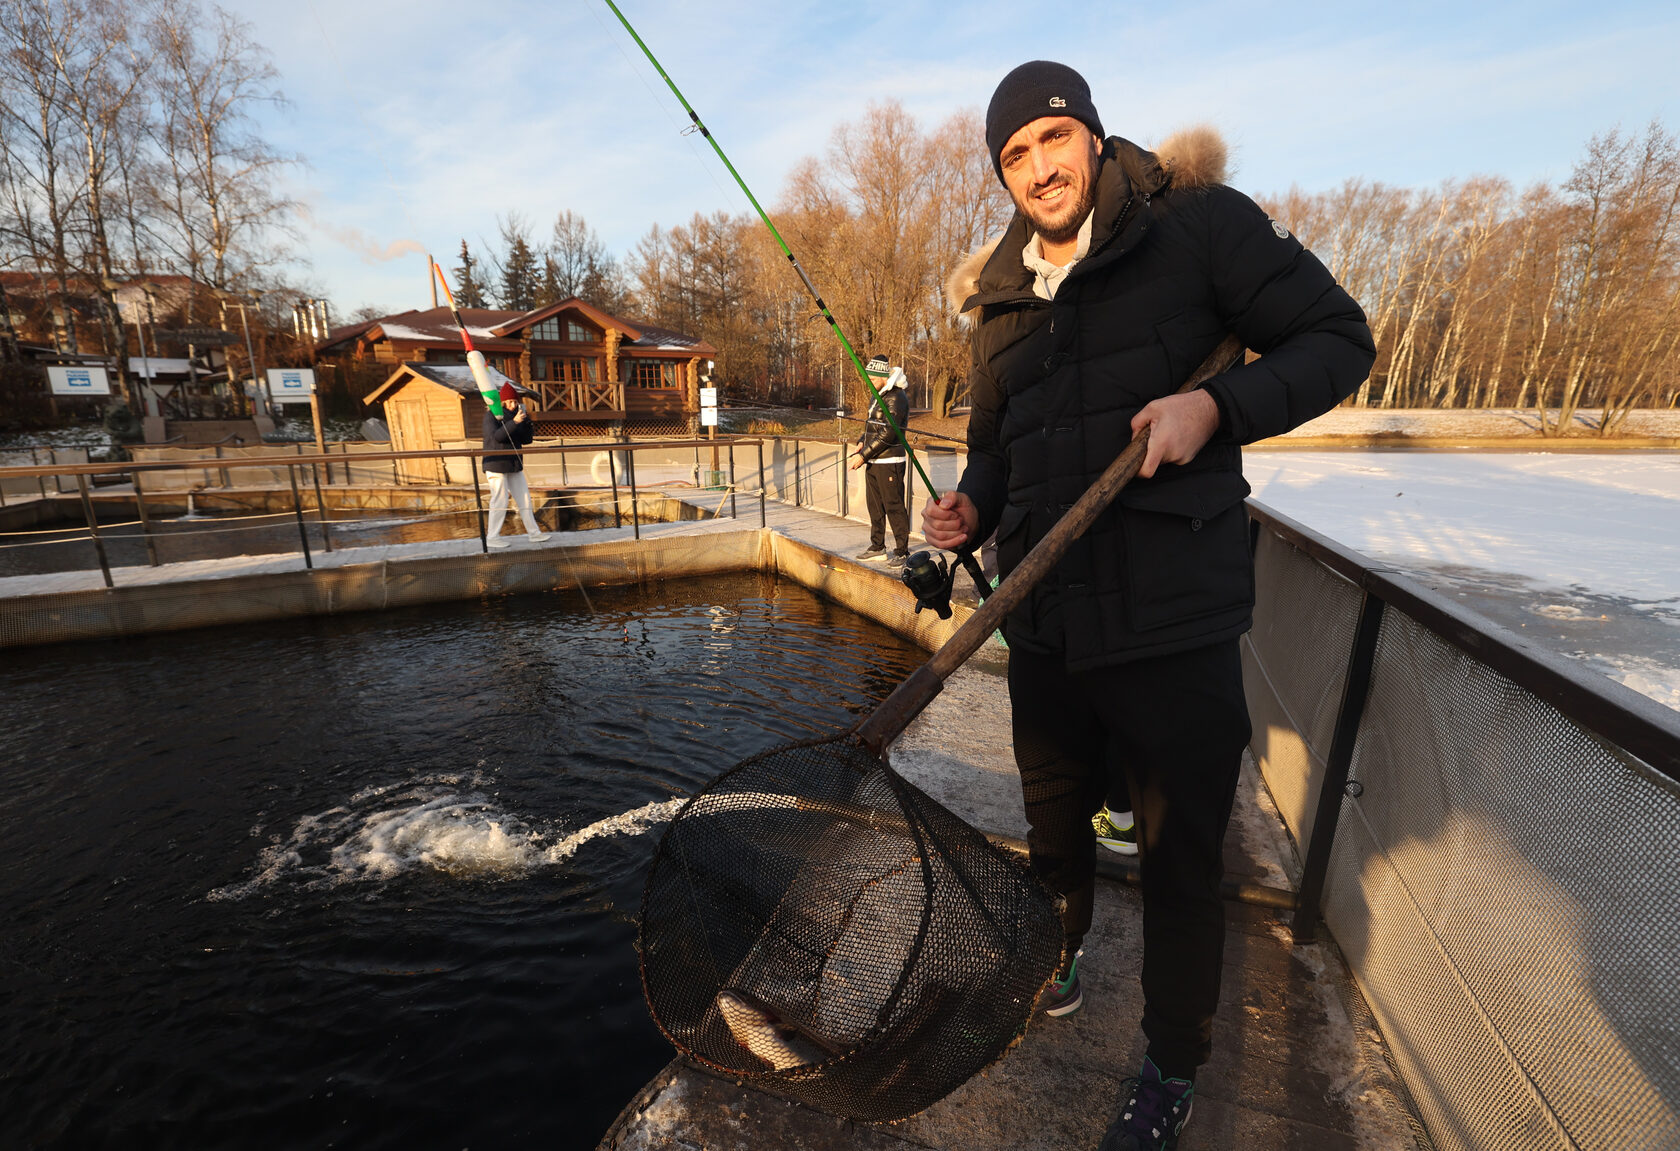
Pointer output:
x,y
966,557
475,358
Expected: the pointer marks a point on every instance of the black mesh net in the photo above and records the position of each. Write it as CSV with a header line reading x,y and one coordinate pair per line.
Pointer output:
x,y
816,925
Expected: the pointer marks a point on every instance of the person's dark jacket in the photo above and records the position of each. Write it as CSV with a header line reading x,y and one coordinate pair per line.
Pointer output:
x,y
878,436
1176,261
505,433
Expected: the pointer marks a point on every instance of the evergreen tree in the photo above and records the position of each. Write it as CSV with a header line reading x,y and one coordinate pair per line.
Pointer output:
x,y
469,289
521,279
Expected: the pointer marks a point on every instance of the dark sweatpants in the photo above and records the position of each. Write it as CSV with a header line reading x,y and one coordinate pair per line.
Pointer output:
x,y
1177,726
883,487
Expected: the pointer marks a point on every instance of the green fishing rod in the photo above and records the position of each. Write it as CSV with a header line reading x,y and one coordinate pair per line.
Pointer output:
x,y
926,588
833,324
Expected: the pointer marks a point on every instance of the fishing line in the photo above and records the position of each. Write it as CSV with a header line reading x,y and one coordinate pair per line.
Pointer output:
x,y
811,288
965,557
686,131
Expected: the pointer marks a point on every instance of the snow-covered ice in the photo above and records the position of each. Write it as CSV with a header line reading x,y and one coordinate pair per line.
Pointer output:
x,y
1578,551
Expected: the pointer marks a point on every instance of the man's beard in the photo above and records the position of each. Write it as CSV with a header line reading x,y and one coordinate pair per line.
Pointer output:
x,y
1059,229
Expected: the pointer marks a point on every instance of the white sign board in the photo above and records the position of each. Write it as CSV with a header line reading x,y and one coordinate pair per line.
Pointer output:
x,y
291,385
78,381
708,397
708,417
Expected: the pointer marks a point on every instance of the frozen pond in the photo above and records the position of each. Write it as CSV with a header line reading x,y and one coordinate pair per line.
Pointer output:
x,y
1580,552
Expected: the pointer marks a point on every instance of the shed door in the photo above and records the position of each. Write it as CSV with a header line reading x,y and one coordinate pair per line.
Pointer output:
x,y
411,431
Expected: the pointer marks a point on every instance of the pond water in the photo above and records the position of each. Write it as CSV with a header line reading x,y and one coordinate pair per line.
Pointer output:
x,y
371,881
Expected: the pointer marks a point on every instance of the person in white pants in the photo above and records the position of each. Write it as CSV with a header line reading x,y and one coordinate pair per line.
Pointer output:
x,y
507,473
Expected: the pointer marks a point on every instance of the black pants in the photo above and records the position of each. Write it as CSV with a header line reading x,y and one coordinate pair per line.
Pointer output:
x,y
1176,726
883,487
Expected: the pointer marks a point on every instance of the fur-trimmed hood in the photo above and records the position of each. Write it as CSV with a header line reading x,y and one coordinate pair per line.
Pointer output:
x,y
1194,157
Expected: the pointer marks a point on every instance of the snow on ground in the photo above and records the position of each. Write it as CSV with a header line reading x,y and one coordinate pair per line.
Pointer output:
x,y
1462,423
1581,552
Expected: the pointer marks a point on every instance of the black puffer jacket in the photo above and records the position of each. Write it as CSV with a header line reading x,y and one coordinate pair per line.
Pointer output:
x,y
879,439
506,433
1176,261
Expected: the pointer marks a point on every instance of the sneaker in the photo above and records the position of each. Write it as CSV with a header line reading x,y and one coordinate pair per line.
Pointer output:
x,y
537,537
871,553
1155,1111
1116,832
897,559
1063,996
497,541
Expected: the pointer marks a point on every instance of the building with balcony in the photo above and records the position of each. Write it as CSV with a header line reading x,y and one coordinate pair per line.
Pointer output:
x,y
588,372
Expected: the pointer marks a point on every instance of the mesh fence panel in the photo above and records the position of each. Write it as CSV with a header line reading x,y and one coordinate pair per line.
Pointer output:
x,y
1295,662
1506,889
899,950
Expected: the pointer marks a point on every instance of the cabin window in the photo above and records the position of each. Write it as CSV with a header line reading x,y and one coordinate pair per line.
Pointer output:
x,y
578,368
569,330
654,373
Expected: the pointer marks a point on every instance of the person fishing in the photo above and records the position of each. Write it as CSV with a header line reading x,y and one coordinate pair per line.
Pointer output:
x,y
507,473
1120,270
881,452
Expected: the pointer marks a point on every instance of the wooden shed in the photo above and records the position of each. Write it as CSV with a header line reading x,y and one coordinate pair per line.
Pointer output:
x,y
429,405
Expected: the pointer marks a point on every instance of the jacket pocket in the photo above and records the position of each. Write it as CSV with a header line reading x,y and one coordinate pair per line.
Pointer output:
x,y
1011,539
1187,556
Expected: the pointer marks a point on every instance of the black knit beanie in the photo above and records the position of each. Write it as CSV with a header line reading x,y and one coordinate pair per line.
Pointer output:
x,y
1037,88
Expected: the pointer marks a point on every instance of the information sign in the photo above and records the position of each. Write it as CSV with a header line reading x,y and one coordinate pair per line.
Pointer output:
x,y
708,397
78,381
708,417
291,385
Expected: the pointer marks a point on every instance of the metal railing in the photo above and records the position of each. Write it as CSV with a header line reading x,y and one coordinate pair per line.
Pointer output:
x,y
621,468
1491,833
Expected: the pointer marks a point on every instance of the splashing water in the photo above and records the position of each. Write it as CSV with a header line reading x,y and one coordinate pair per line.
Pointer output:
x,y
629,823
431,825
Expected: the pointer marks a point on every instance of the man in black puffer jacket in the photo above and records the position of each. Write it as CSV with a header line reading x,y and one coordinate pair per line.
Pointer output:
x,y
1121,271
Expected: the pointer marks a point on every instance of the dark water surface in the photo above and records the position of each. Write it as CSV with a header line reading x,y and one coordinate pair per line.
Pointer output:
x,y
371,881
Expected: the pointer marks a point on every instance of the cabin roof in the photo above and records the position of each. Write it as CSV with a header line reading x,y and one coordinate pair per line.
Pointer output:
x,y
499,330
455,377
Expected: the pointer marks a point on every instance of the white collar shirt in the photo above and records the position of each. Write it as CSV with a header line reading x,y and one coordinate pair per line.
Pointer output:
x,y
1047,276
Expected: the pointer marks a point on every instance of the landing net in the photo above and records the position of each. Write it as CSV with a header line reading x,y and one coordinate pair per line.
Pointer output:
x,y
890,939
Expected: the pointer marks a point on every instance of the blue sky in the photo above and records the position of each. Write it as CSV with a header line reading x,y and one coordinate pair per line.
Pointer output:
x,y
420,121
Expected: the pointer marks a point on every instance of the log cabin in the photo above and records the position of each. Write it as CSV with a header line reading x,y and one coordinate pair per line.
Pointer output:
x,y
587,372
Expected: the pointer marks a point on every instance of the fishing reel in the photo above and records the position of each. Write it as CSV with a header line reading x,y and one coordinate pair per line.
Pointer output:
x,y
930,579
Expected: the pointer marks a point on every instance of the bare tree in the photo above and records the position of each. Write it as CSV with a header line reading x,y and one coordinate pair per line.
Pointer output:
x,y
216,197
43,193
